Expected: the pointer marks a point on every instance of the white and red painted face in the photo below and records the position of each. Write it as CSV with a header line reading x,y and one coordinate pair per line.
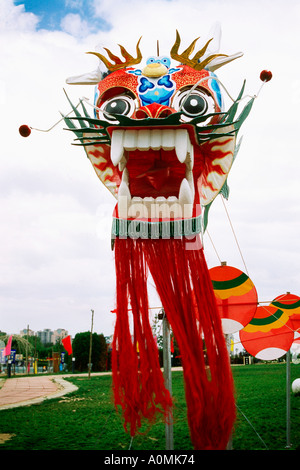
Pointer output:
x,y
154,161
160,141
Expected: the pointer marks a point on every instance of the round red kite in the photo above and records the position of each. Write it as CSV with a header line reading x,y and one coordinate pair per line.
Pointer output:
x,y
269,335
236,297
290,304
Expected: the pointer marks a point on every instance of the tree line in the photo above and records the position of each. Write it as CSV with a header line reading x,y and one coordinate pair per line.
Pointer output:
x,y
31,347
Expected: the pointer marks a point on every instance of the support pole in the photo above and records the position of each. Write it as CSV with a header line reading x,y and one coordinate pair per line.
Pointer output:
x,y
91,339
288,399
168,378
27,350
228,339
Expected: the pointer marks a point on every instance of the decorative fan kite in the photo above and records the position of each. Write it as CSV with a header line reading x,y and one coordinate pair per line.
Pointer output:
x,y
269,335
271,332
290,304
236,297
163,145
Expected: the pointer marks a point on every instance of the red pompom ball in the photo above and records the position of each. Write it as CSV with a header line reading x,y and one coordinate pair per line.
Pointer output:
x,y
24,130
265,76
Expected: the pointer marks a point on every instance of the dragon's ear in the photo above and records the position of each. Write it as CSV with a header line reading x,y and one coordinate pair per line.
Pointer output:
x,y
90,78
220,61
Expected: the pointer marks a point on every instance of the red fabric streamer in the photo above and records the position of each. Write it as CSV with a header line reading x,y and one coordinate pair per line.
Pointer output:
x,y
7,349
180,274
67,344
138,382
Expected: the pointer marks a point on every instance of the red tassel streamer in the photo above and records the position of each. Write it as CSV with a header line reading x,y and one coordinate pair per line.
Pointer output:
x,y
138,381
182,281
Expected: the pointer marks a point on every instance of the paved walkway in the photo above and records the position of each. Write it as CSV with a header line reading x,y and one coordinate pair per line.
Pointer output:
x,y
22,391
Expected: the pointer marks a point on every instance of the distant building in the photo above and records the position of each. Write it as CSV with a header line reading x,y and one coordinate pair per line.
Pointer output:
x,y
27,332
59,334
47,336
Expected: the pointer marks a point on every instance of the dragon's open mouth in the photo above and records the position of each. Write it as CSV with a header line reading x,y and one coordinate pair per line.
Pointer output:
x,y
161,168
157,173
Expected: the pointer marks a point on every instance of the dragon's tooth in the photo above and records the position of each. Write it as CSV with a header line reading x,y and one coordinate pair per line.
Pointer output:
x,y
130,139
162,211
175,210
149,207
155,139
125,177
186,198
172,199
124,197
181,144
185,193
122,163
123,208
116,150
161,208
124,191
137,208
124,186
168,139
143,139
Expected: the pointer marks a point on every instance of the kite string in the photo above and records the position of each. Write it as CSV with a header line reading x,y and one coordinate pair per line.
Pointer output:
x,y
213,246
60,120
242,254
233,231
235,237
252,427
234,234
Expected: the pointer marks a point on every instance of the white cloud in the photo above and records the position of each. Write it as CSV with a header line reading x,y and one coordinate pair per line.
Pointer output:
x,y
74,25
14,18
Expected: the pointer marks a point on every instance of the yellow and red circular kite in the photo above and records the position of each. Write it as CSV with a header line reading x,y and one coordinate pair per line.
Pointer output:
x,y
269,335
236,297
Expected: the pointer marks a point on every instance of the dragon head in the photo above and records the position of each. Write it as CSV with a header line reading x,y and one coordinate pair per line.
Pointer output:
x,y
160,139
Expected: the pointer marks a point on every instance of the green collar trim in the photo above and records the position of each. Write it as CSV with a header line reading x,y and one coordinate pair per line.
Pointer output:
x,y
123,228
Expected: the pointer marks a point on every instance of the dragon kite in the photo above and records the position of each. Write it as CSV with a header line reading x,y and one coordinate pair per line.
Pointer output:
x,y
162,143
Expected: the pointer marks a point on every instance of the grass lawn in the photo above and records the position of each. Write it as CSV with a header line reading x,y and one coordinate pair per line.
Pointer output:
x,y
87,420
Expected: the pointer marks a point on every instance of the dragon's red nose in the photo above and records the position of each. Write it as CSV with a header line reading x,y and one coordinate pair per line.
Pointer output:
x,y
154,110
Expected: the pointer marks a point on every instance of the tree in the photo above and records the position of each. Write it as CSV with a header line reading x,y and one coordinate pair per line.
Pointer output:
x,y
20,344
81,345
103,353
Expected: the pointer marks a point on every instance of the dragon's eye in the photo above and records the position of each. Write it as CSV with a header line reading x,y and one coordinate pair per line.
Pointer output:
x,y
121,104
193,103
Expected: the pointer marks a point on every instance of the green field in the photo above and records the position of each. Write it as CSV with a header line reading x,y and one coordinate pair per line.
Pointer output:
x,y
87,419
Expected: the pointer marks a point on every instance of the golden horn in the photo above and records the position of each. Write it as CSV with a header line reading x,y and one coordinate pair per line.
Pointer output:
x,y
192,62
118,64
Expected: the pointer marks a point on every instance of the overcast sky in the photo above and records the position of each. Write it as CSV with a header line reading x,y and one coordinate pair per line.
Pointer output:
x,y
56,263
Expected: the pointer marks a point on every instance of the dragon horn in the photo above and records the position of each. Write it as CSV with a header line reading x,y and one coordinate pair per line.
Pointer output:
x,y
118,64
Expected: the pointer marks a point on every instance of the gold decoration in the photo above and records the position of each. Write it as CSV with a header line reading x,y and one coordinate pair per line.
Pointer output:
x,y
192,62
129,60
